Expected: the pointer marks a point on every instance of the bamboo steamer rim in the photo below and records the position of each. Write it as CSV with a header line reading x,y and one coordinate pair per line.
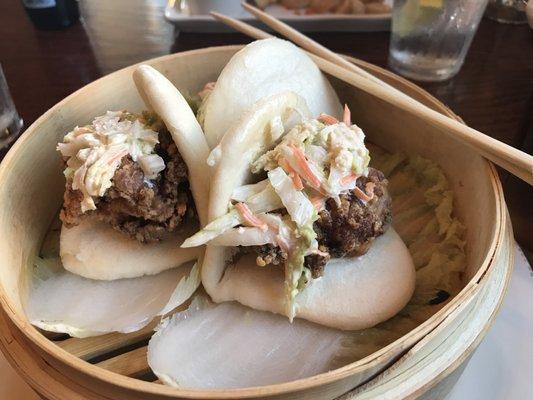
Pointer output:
x,y
54,351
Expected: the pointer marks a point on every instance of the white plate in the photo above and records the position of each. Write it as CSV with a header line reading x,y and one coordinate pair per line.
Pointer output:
x,y
502,366
194,17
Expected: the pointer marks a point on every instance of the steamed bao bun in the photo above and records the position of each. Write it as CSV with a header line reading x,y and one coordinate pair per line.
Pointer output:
x,y
261,69
63,300
95,250
354,292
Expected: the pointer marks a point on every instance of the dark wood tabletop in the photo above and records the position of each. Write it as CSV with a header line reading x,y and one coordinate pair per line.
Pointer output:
x,y
493,92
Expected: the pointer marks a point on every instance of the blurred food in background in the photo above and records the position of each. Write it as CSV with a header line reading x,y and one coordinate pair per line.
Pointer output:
x,y
331,6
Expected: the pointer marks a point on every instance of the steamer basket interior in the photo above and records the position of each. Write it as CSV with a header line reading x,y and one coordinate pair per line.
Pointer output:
x,y
31,187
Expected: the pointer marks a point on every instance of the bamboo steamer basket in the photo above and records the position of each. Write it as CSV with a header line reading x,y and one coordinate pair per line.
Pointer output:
x,y
31,186
428,371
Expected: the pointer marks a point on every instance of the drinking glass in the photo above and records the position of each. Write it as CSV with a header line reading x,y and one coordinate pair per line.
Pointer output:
x,y
10,122
430,38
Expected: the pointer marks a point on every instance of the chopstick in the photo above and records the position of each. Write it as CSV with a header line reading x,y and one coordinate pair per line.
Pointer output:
x,y
242,27
513,160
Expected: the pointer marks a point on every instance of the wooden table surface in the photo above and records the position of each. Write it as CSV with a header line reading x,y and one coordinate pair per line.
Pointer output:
x,y
493,92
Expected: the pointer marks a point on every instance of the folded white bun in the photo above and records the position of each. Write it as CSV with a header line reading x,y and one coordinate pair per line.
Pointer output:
x,y
261,69
161,96
354,293
96,251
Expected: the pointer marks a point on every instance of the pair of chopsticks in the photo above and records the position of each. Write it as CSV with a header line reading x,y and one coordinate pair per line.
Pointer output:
x,y
513,160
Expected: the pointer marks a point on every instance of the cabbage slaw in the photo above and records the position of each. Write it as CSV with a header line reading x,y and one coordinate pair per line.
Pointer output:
x,y
94,152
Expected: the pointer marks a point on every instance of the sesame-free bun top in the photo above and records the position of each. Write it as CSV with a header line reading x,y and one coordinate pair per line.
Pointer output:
x,y
262,69
354,292
95,250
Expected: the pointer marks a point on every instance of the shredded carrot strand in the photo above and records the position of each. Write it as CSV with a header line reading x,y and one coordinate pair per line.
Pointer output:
x,y
362,195
296,180
249,218
298,184
347,116
369,187
327,119
309,175
351,177
320,253
318,202
207,88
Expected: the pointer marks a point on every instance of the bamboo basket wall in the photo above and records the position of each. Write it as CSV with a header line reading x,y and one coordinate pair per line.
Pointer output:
x,y
114,366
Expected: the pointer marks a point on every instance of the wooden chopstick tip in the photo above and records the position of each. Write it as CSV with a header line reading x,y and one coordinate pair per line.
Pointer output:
x,y
217,15
251,8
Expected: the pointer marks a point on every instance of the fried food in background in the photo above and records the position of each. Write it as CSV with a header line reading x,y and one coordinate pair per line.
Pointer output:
x,y
331,6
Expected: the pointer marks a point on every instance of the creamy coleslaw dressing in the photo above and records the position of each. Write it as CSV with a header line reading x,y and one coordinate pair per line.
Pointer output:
x,y
336,151
94,152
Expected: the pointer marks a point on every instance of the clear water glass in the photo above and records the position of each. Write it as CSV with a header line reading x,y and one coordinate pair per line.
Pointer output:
x,y
10,122
430,38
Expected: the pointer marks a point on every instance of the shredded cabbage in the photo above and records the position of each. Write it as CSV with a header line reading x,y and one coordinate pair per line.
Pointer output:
x,y
243,193
214,229
264,201
423,215
183,291
242,236
317,154
331,153
152,165
297,204
201,101
94,152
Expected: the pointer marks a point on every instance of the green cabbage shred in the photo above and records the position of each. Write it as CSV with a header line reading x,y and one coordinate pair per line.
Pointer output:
x,y
422,203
